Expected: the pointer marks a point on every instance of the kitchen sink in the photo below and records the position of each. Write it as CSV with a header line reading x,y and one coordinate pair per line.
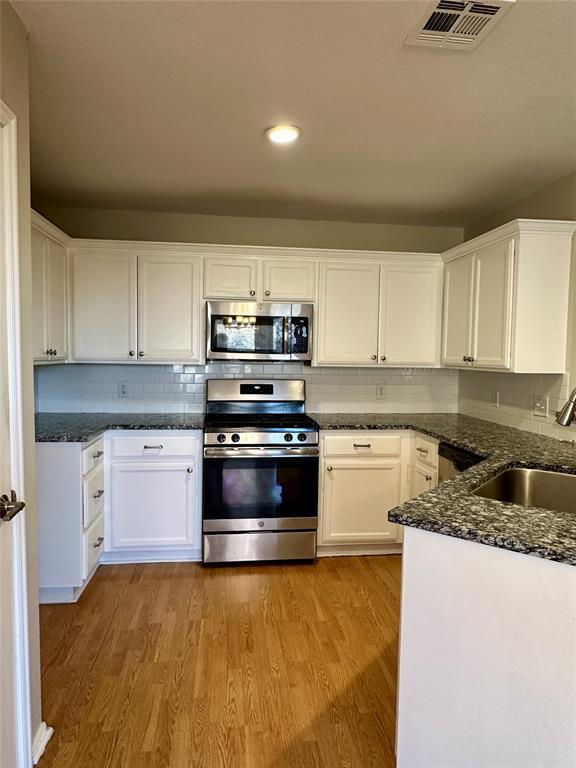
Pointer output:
x,y
532,488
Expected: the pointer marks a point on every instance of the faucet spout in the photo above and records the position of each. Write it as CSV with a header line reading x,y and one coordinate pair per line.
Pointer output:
x,y
566,415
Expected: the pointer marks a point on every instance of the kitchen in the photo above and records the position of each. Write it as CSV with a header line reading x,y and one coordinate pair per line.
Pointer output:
x,y
245,415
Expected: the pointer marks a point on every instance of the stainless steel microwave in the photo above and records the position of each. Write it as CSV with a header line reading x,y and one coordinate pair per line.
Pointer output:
x,y
254,331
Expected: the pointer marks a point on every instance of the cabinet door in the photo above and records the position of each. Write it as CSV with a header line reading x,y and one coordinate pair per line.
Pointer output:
x,y
152,505
291,281
56,293
356,499
168,307
230,278
492,318
39,324
104,305
410,310
348,304
457,320
423,479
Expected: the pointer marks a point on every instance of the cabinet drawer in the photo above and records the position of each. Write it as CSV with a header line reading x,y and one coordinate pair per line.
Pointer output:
x,y
153,446
93,492
426,451
93,541
367,444
92,456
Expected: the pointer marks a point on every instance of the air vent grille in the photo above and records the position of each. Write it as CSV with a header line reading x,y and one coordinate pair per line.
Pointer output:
x,y
458,25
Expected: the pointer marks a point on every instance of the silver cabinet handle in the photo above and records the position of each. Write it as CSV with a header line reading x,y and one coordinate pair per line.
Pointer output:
x,y
422,450
153,447
267,293
54,352
140,354
99,493
374,357
10,506
98,543
465,358
190,470
362,445
383,358
428,478
329,468
252,293
97,454
131,353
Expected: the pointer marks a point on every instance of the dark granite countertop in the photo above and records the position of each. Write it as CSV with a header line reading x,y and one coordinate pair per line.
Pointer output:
x,y
83,427
453,510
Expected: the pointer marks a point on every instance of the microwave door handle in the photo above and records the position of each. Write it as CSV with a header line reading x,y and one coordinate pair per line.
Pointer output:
x,y
287,350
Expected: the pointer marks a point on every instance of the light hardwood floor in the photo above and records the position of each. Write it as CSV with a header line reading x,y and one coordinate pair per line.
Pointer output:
x,y
176,666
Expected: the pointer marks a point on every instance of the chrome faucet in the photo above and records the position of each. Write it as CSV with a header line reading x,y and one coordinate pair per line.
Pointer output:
x,y
566,416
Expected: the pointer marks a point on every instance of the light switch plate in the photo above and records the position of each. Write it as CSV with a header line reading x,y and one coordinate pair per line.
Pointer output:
x,y
541,408
380,391
123,389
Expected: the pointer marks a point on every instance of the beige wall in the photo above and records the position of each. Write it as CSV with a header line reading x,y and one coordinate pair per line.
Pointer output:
x,y
517,393
238,230
14,92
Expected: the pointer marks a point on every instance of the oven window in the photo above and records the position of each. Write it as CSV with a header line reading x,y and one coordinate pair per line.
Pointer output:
x,y
234,333
249,488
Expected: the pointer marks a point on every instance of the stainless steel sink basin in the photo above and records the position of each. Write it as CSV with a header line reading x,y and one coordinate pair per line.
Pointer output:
x,y
532,488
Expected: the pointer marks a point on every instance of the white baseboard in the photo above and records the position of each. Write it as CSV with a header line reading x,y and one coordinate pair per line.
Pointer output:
x,y
151,556
41,739
347,550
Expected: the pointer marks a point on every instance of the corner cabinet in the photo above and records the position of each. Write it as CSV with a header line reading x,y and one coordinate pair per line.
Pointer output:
x,y
506,298
372,313
49,298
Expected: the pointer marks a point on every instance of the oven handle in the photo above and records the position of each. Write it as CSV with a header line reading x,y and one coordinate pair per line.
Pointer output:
x,y
261,453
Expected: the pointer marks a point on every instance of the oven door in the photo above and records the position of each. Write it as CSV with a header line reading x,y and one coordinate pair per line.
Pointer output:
x,y
254,489
247,331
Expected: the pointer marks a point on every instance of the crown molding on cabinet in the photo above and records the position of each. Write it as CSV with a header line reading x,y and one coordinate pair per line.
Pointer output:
x,y
49,229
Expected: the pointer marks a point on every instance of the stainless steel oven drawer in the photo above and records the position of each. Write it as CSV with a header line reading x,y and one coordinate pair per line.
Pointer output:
x,y
250,547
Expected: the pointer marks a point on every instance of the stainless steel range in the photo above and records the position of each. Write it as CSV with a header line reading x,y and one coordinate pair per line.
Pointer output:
x,y
260,472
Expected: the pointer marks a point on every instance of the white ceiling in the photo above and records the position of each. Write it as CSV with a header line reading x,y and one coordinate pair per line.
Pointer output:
x,y
161,106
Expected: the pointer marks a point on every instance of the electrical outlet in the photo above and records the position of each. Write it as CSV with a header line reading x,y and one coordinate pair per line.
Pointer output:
x,y
495,397
541,406
123,389
380,391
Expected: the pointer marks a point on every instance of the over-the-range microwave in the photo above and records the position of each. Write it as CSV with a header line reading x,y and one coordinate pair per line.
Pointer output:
x,y
255,331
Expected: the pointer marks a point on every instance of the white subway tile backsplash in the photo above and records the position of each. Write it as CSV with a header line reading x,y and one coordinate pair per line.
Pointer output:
x,y
180,388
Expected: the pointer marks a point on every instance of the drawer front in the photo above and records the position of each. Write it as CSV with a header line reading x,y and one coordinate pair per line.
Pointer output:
x,y
153,447
93,545
367,444
93,492
92,457
426,451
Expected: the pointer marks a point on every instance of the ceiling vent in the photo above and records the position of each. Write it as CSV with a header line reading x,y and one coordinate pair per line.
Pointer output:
x,y
458,25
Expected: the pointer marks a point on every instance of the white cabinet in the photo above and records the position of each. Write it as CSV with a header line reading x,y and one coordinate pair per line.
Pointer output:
x,y
104,305
168,306
379,314
254,278
49,298
230,278
506,299
424,478
154,495
130,306
425,465
347,315
363,475
71,497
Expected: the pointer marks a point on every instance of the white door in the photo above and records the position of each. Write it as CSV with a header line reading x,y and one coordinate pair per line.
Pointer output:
x,y
424,478
56,290
39,308
15,740
104,305
410,315
457,319
357,495
168,307
228,278
291,281
153,505
492,319
348,302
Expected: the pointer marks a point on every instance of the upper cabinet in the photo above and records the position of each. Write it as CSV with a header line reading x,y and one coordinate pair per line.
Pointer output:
x,y
379,314
253,278
129,306
49,297
506,299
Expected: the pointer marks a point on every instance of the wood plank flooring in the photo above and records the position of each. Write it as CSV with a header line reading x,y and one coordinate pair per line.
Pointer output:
x,y
176,666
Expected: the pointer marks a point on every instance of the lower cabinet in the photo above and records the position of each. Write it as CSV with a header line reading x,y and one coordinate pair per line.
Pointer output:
x,y
154,510
424,478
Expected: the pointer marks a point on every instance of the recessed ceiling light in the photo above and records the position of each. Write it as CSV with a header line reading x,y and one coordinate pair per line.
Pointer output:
x,y
283,134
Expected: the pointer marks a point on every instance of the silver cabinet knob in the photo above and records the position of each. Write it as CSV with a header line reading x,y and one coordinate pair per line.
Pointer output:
x,y
267,293
98,542
252,293
131,353
329,468
465,358
374,357
190,470
140,354
428,478
97,454
99,493
10,506
383,358
54,352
